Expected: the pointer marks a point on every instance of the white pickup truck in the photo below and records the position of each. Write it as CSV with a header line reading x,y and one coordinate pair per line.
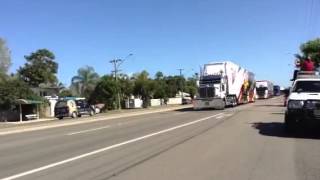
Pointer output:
x,y
303,103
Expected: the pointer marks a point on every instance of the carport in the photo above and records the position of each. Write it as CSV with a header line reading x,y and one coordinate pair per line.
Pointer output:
x,y
28,115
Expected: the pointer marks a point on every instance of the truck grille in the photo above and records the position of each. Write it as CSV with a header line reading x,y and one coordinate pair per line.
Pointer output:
x,y
206,92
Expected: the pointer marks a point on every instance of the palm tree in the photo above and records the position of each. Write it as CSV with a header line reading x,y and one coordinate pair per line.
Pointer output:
x,y
85,82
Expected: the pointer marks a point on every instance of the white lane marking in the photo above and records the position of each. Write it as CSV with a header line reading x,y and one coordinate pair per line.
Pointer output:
x,y
106,148
228,115
89,130
96,119
219,117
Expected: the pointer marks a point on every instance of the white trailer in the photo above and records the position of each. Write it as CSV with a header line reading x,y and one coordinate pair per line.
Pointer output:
x,y
224,84
264,89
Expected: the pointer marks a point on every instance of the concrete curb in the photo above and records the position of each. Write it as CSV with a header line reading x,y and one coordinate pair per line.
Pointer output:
x,y
15,130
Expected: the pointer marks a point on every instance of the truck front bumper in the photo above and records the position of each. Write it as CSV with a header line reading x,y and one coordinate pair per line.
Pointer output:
x,y
214,103
303,115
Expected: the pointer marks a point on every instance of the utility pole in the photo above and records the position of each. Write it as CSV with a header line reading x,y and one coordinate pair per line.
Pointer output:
x,y
180,72
116,64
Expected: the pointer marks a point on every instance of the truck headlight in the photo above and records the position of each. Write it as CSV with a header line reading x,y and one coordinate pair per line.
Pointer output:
x,y
294,104
310,105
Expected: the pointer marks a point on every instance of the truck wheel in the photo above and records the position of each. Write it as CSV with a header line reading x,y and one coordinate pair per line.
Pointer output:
x,y
223,105
289,124
74,115
60,117
79,115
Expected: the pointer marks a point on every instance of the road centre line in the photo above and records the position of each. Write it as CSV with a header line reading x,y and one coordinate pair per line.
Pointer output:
x,y
105,127
107,148
88,130
96,119
219,117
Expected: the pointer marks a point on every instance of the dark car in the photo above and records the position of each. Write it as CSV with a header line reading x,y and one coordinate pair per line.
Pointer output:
x,y
84,108
73,108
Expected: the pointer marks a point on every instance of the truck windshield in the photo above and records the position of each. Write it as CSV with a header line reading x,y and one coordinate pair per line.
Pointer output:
x,y
307,86
261,88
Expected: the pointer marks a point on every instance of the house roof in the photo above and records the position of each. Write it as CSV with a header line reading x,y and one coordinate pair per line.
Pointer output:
x,y
27,101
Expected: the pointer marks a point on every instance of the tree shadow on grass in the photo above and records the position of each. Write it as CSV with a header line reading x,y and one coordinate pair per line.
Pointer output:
x,y
277,129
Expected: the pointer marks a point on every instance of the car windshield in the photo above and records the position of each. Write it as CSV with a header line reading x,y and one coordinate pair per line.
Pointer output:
x,y
61,104
307,86
81,103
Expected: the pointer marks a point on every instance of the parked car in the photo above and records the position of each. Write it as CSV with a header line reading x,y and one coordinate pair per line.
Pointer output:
x,y
186,101
72,108
84,108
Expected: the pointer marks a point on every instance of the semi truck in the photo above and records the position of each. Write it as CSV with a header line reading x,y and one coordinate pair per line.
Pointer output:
x,y
264,89
276,90
224,84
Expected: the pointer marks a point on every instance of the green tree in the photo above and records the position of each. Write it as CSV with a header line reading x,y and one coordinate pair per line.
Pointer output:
x,y
5,59
105,92
174,85
84,83
13,89
125,86
143,87
40,68
160,86
191,86
159,75
310,48
65,93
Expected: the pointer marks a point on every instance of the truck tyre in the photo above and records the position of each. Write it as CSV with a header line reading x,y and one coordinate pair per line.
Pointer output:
x,y
74,115
60,117
79,115
289,124
234,103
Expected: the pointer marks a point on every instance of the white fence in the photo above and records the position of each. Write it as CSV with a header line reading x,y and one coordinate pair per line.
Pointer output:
x,y
156,102
173,101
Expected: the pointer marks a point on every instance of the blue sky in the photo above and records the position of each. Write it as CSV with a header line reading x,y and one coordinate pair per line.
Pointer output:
x,y
163,35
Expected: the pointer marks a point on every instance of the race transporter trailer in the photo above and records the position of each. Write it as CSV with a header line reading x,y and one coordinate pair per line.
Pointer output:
x,y
224,84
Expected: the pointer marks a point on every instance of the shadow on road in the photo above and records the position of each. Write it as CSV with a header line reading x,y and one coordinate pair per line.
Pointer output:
x,y
191,109
278,113
269,105
277,129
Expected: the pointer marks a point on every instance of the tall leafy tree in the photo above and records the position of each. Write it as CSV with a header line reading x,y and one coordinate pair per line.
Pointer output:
x,y
310,48
40,68
105,92
84,83
160,86
143,87
125,86
5,59
191,86
13,89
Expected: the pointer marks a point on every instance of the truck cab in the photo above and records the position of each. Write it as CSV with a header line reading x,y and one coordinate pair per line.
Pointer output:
x,y
211,93
303,103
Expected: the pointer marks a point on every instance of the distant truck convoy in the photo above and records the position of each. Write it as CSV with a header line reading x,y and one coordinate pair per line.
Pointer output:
x,y
224,84
276,90
264,89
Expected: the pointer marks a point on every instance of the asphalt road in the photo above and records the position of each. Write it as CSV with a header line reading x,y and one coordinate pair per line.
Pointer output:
x,y
246,142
